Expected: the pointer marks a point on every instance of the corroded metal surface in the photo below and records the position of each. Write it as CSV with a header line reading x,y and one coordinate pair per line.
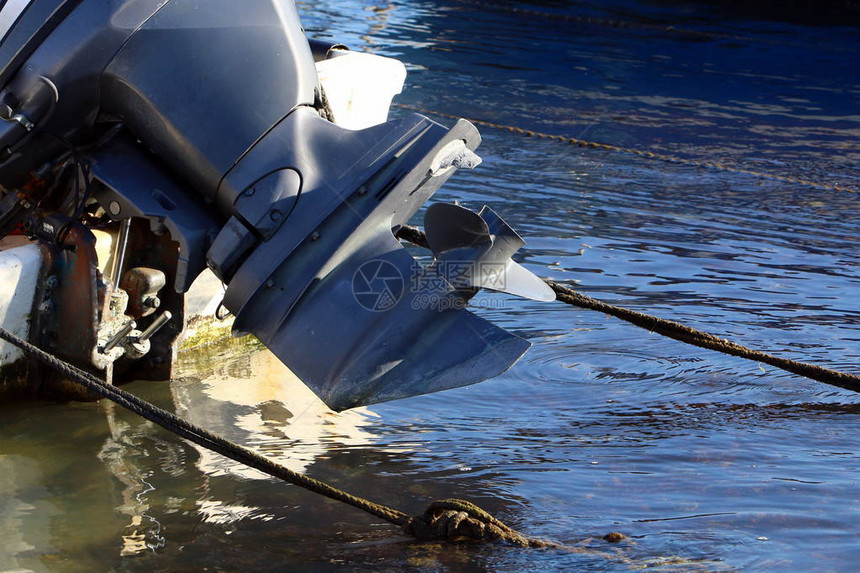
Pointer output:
x,y
66,310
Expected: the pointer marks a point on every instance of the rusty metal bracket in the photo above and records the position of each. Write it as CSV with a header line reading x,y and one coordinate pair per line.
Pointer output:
x,y
66,307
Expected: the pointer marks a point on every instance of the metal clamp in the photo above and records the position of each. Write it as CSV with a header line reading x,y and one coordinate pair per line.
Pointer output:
x,y
19,118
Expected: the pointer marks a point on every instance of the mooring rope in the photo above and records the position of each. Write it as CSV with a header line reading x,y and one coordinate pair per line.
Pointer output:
x,y
448,519
677,330
581,20
667,29
584,143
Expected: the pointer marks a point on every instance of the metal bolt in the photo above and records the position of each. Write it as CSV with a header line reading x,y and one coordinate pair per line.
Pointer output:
x,y
275,215
114,208
162,319
119,336
315,236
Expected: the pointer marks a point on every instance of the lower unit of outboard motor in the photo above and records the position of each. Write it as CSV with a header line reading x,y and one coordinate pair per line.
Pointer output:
x,y
336,296
212,125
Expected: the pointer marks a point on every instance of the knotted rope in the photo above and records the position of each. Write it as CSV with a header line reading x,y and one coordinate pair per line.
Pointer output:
x,y
458,519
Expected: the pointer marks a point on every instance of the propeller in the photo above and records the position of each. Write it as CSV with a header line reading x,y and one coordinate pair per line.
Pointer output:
x,y
473,251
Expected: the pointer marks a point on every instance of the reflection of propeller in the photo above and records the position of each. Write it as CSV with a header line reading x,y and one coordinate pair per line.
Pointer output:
x,y
473,250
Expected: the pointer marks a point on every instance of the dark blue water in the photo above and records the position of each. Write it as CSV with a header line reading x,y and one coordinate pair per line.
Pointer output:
x,y
705,461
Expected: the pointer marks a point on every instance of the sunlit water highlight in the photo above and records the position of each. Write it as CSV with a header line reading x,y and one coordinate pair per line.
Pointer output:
x,y
705,461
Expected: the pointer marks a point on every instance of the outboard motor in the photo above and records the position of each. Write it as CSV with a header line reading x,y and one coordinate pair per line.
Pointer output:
x,y
207,120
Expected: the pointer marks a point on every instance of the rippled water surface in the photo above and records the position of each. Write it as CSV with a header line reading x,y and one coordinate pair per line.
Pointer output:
x,y
706,462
